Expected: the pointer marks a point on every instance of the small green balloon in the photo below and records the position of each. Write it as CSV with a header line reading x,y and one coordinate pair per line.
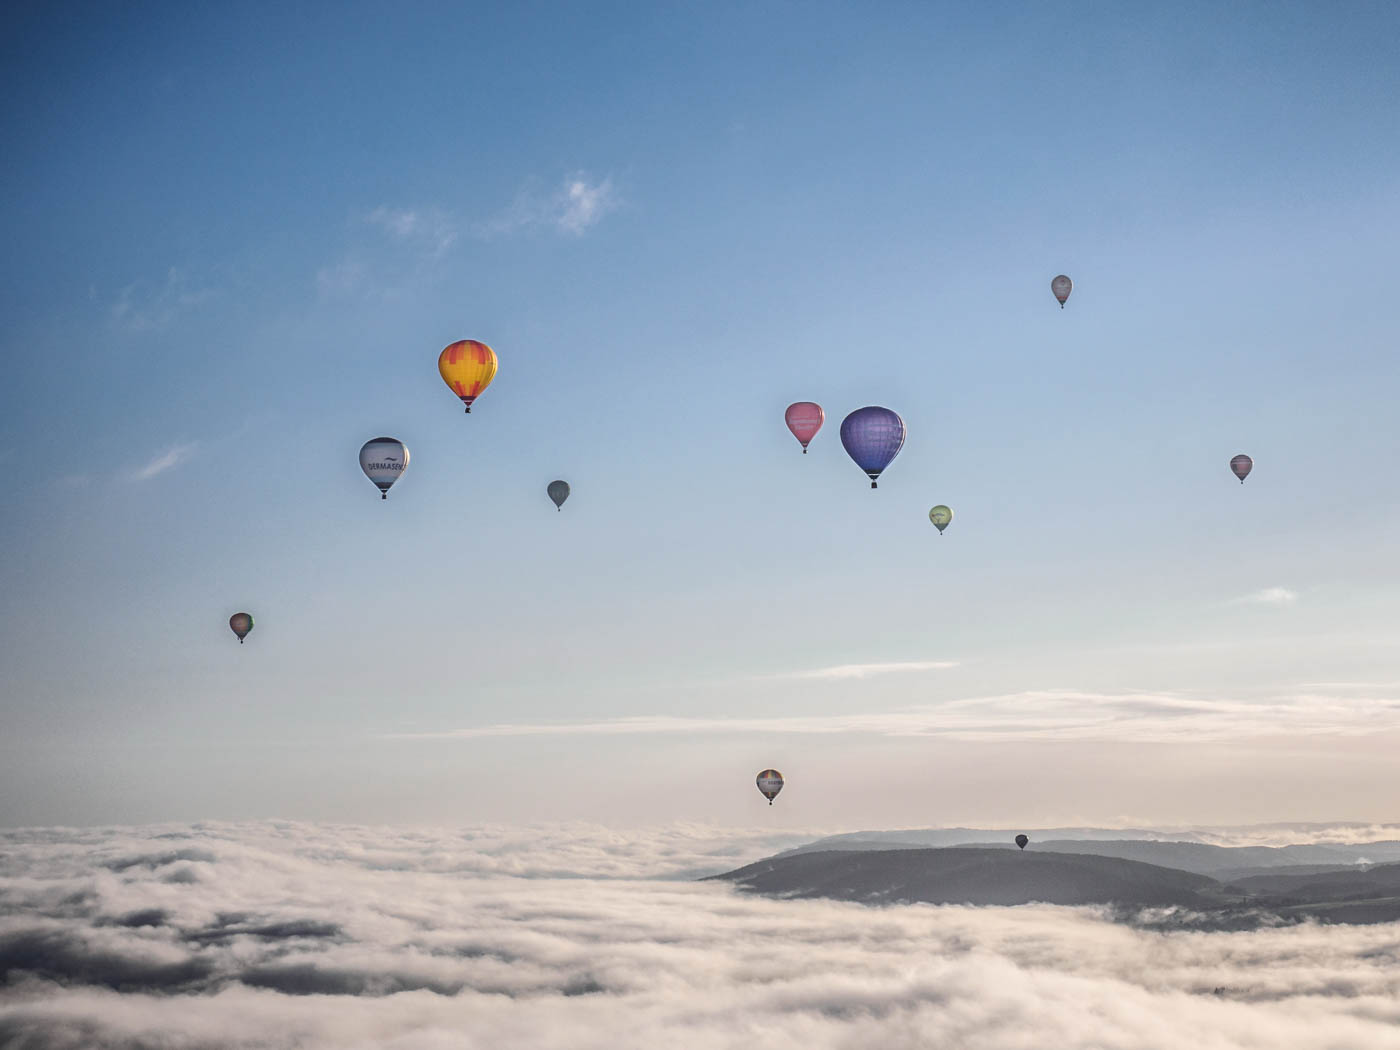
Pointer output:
x,y
941,517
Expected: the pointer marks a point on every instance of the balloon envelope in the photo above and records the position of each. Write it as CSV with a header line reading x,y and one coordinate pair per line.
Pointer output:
x,y
383,460
872,436
804,419
468,368
240,624
1061,286
770,782
558,492
1240,466
1021,841
941,516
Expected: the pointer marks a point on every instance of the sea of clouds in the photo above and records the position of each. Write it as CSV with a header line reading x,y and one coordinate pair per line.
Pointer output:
x,y
276,935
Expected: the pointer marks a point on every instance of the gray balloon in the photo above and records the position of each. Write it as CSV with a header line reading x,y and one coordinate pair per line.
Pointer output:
x,y
558,492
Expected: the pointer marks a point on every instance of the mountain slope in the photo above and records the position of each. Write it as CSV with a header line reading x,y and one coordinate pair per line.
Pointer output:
x,y
968,875
1333,886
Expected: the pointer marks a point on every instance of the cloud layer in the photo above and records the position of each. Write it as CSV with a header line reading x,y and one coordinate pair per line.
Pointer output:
x,y
290,935
1047,714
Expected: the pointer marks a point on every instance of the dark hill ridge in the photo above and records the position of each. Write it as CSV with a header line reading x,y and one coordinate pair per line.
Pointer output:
x,y
1205,859
1311,887
1159,848
999,876
968,875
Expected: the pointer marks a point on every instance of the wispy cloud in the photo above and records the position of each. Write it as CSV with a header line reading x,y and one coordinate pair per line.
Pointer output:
x,y
572,208
167,460
1387,686
389,248
431,229
1268,596
144,307
584,203
1036,715
845,671
342,278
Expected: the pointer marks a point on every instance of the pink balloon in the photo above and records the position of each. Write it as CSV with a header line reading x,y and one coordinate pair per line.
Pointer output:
x,y
804,419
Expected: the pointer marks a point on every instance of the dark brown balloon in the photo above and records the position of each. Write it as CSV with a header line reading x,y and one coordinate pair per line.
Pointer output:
x,y
240,624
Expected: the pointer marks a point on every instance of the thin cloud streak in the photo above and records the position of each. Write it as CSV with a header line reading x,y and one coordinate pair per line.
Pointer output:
x,y
143,308
847,671
167,460
1269,596
1037,715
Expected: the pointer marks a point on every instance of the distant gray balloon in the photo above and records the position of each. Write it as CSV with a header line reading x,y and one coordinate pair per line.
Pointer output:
x,y
558,492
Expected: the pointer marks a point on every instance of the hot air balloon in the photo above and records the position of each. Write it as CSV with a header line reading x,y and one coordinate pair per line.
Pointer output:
x,y
383,460
804,419
240,624
1062,286
941,517
873,437
770,782
468,368
558,492
1241,465
1021,841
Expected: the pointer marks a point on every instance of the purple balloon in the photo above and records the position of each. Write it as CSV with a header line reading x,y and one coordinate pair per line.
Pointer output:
x,y
873,437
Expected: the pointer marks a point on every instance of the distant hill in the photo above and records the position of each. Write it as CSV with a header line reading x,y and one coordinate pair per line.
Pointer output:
x,y
999,876
1232,875
1332,886
1205,859
1150,847
975,876
964,837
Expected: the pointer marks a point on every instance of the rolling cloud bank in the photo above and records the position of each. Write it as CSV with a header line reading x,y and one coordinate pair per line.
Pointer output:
x,y
321,936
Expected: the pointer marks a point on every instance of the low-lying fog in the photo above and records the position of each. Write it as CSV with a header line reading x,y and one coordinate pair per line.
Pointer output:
x,y
295,935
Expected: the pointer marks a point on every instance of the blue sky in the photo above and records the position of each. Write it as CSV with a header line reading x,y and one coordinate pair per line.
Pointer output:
x,y
239,239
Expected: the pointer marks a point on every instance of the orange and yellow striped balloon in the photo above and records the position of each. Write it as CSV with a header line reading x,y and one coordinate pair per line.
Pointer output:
x,y
468,368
